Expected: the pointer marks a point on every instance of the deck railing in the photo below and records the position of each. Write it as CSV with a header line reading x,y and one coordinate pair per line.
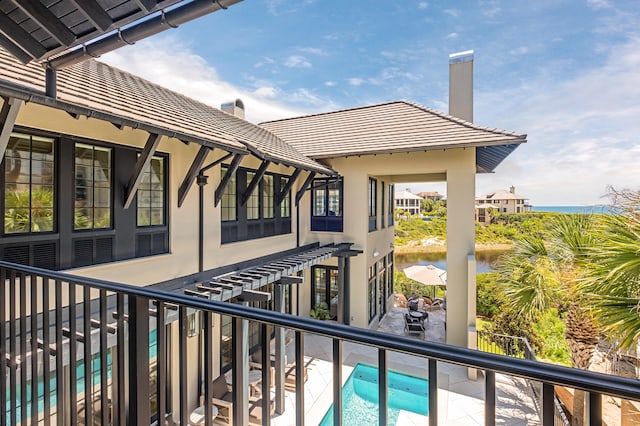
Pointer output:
x,y
105,336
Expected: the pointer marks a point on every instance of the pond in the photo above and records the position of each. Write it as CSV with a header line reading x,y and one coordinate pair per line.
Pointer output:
x,y
485,260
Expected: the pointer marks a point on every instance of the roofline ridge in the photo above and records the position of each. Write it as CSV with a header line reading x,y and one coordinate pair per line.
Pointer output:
x,y
331,112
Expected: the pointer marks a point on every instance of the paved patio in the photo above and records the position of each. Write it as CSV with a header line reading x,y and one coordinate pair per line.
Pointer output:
x,y
460,400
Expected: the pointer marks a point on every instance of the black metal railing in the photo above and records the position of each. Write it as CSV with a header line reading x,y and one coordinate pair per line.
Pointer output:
x,y
519,347
58,327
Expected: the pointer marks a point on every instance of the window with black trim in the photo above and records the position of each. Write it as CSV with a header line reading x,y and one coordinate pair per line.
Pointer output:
x,y
253,202
228,204
326,202
285,206
151,194
268,197
93,187
382,200
371,292
29,184
373,218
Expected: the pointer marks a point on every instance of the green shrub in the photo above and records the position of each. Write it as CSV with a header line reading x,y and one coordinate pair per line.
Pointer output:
x,y
490,296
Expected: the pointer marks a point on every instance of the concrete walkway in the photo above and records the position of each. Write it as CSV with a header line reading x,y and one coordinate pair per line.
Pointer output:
x,y
460,400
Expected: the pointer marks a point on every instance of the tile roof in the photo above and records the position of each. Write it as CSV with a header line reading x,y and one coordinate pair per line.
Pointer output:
x,y
106,89
502,194
399,126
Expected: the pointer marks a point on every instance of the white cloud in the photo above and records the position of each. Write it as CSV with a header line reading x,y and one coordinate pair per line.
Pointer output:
x,y
598,4
297,61
519,51
452,12
423,5
582,132
451,36
314,51
355,81
162,60
490,8
264,62
330,83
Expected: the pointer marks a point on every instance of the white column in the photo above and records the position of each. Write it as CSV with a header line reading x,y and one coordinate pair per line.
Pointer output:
x,y
460,244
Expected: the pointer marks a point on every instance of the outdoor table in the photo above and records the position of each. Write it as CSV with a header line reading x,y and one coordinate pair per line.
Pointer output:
x,y
197,415
255,377
418,315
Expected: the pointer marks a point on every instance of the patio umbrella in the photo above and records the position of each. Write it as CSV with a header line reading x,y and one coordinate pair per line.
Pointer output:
x,y
426,274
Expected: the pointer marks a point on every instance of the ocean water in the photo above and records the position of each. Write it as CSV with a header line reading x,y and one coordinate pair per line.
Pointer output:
x,y
601,209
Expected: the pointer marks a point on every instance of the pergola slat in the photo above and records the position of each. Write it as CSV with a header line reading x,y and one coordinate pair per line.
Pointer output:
x,y
47,20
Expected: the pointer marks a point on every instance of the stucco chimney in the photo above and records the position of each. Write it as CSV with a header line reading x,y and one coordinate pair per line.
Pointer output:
x,y
235,108
461,85
512,189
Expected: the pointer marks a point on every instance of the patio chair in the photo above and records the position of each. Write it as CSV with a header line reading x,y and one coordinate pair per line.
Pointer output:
x,y
255,410
222,398
400,300
413,326
290,376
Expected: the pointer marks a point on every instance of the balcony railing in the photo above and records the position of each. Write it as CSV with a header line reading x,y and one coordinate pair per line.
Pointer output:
x,y
49,342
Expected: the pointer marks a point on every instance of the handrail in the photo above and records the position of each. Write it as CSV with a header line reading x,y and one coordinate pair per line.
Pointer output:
x,y
553,374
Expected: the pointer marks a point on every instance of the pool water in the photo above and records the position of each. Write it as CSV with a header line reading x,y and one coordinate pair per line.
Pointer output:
x,y
360,397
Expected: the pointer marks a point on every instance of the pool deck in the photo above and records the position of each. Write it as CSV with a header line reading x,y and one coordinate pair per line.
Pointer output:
x,y
460,400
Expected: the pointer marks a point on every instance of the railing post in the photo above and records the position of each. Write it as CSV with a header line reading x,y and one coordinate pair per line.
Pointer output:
x,y
383,405
337,382
265,336
547,404
280,353
240,333
433,392
489,398
138,360
299,378
595,409
208,370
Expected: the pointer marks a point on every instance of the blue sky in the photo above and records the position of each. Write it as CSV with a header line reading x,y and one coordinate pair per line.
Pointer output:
x,y
567,73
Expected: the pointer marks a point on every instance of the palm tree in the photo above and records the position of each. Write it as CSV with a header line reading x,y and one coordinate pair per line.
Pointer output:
x,y
544,273
613,282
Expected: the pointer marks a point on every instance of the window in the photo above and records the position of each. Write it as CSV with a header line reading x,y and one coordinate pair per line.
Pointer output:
x,y
390,274
228,204
382,199
29,189
92,204
253,202
326,202
325,288
268,197
371,292
151,194
285,206
390,195
373,219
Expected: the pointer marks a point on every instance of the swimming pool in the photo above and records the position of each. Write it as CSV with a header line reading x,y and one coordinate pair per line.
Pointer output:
x,y
360,397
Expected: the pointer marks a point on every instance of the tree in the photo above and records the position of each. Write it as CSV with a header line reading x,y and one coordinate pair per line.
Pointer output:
x,y
613,282
544,273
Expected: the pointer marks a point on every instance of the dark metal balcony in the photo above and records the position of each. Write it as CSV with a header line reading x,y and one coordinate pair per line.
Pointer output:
x,y
122,375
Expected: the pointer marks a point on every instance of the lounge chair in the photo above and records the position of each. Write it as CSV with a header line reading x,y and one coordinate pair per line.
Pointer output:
x,y
413,326
289,371
255,410
400,301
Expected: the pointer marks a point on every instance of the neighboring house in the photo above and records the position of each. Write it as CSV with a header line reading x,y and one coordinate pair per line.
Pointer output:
x,y
500,201
405,200
433,196
120,179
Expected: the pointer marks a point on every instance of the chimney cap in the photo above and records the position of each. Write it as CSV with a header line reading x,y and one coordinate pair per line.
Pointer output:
x,y
460,57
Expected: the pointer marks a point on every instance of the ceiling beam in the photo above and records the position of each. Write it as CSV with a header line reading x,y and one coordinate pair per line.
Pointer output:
x,y
187,182
227,177
141,165
20,37
15,50
47,20
305,185
95,13
254,182
283,193
8,115
146,5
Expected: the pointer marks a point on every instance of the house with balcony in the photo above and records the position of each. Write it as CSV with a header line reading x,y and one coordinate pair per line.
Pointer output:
x,y
500,201
151,243
407,202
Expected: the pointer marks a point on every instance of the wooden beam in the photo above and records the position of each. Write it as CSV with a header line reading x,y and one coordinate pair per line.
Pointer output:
x,y
227,177
192,173
94,13
47,20
8,115
254,182
143,162
15,50
146,5
283,193
306,184
20,37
